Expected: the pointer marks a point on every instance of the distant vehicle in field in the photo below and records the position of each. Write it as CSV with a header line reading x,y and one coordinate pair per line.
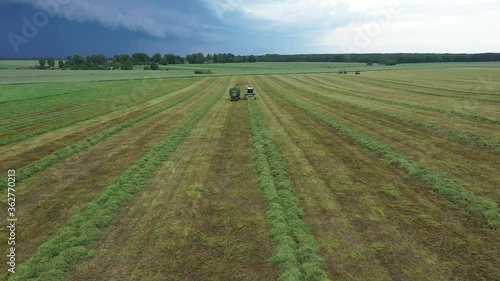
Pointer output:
x,y
358,72
250,93
234,93
342,71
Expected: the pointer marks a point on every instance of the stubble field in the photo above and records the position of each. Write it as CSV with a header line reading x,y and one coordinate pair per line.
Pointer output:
x,y
387,175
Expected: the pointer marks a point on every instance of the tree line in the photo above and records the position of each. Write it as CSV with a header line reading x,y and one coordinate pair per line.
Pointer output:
x,y
127,62
121,61
396,58
199,58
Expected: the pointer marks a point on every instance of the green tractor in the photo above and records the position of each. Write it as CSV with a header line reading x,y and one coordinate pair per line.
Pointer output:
x,y
234,93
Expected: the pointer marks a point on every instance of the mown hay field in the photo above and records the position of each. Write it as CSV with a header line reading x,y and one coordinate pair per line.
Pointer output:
x,y
387,175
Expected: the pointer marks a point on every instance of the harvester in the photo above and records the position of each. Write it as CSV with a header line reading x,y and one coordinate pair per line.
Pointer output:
x,y
250,93
234,93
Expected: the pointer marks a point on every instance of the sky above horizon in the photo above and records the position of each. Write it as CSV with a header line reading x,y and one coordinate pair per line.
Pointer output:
x,y
43,28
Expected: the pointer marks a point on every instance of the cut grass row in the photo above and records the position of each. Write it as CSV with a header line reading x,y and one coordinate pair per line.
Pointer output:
x,y
11,110
452,134
9,93
478,206
82,177
363,95
116,102
64,153
329,86
203,207
463,91
102,91
295,245
66,106
52,259
100,105
372,222
410,88
473,169
113,107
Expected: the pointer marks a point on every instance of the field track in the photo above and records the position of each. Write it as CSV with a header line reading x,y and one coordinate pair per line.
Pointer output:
x,y
323,177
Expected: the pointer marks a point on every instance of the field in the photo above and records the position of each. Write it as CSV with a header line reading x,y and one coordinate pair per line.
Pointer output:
x,y
13,72
388,175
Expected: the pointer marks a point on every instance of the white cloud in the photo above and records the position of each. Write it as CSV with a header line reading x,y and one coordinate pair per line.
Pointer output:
x,y
297,25
220,7
423,28
295,11
377,25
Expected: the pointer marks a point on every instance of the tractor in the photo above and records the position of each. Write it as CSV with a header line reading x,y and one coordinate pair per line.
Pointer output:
x,y
250,93
234,93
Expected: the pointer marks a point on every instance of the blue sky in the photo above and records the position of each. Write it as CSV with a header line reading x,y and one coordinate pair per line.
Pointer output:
x,y
42,28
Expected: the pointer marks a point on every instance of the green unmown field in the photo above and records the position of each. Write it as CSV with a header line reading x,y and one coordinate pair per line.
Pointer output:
x,y
388,175
16,74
